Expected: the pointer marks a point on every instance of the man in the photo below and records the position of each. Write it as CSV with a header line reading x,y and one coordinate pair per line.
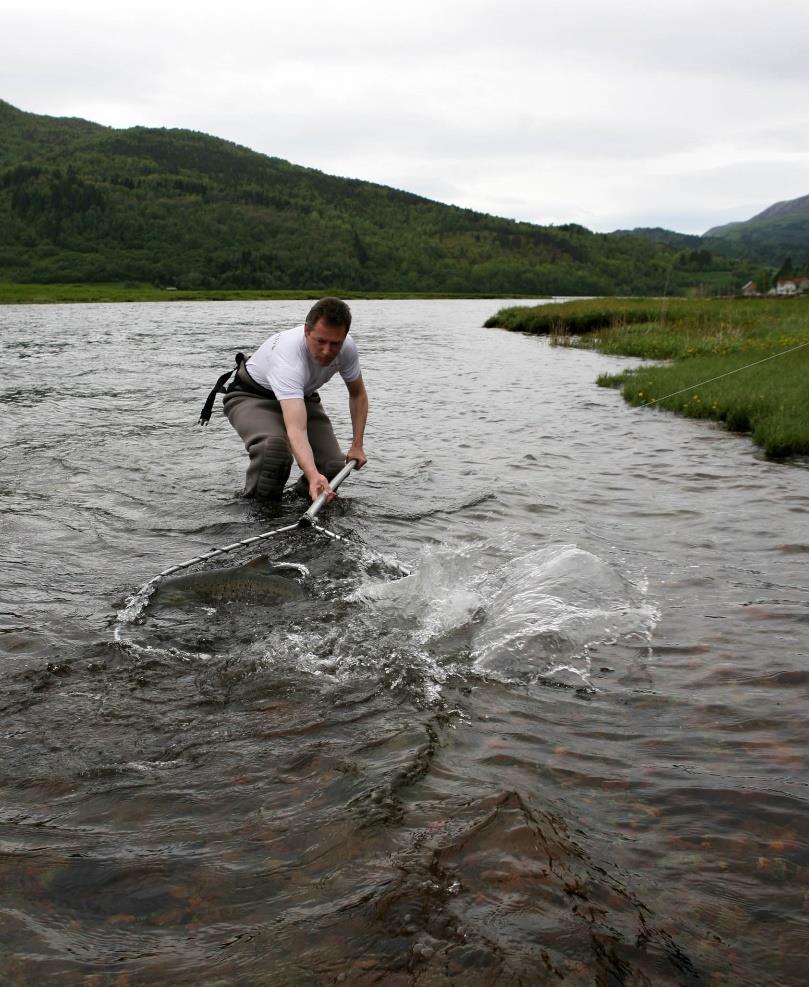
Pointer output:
x,y
274,406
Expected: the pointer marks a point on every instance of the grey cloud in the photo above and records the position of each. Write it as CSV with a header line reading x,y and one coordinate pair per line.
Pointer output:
x,y
576,111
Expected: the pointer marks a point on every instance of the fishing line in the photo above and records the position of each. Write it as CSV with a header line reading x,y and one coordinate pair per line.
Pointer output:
x,y
728,374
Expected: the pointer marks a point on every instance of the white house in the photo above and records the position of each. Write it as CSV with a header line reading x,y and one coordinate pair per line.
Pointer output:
x,y
786,286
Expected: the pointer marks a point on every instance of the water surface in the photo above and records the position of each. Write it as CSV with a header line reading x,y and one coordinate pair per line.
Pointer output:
x,y
569,748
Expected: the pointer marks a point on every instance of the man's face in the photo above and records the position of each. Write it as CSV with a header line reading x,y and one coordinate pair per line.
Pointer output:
x,y
324,341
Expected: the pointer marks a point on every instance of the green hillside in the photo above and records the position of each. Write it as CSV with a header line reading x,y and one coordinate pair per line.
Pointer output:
x,y
781,230
84,203
681,241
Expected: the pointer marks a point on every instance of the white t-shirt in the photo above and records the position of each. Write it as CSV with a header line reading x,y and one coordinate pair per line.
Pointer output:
x,y
284,365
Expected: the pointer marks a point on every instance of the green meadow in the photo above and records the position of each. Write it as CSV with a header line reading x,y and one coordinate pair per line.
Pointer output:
x,y
743,362
43,294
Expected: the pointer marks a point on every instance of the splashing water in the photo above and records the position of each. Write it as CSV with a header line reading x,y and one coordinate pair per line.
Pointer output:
x,y
548,607
534,617
537,615
440,596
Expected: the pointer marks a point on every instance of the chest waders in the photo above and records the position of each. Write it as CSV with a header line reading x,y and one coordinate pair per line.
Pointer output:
x,y
256,415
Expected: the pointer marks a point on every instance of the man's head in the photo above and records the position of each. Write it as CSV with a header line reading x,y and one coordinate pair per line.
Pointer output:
x,y
326,328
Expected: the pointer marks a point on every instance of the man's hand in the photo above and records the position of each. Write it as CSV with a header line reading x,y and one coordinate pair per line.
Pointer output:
x,y
317,485
356,452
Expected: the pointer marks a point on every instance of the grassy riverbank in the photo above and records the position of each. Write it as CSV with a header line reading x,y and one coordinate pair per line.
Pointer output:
x,y
744,362
44,294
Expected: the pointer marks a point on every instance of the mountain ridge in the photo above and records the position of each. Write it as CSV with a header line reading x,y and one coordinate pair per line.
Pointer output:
x,y
778,210
83,202
778,232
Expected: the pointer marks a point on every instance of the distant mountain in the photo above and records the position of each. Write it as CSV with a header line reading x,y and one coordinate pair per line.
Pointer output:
x,y
781,230
80,202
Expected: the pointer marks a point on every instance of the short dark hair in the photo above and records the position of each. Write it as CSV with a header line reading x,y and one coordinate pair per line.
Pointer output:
x,y
332,310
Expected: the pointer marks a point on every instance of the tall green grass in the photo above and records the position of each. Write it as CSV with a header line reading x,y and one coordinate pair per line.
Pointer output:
x,y
586,315
770,400
744,362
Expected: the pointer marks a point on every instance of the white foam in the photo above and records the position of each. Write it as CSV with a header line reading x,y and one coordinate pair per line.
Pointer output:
x,y
440,595
546,608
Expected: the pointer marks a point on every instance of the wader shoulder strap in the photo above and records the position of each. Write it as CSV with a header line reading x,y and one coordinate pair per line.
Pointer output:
x,y
207,408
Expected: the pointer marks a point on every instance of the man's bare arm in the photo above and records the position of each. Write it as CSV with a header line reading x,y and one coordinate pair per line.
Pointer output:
x,y
294,412
358,408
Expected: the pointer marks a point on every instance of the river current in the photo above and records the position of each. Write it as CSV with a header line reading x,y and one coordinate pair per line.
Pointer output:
x,y
569,748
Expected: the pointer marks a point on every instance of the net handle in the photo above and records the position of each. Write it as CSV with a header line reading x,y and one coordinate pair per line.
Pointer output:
x,y
311,514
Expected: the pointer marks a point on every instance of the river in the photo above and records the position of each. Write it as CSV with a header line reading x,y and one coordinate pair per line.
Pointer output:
x,y
570,747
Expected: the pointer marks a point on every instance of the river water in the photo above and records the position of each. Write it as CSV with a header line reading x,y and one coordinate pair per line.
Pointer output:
x,y
570,747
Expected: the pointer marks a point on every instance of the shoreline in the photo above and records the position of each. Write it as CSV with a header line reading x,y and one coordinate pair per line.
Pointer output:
x,y
738,361
112,293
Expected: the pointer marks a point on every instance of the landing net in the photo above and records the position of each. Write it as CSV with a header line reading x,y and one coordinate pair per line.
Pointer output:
x,y
135,604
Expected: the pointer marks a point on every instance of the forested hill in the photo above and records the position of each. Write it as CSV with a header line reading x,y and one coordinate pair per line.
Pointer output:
x,y
80,202
781,230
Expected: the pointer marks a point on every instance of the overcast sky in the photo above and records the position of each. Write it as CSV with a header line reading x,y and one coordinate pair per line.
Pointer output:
x,y
616,114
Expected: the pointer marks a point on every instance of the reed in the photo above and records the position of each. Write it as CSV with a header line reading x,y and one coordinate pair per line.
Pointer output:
x,y
581,316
